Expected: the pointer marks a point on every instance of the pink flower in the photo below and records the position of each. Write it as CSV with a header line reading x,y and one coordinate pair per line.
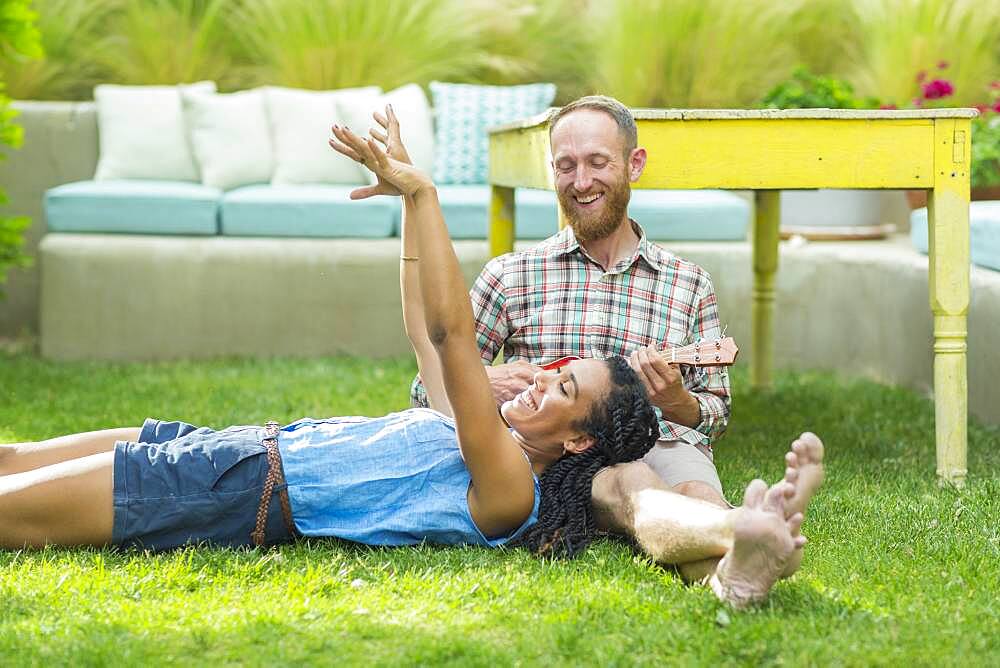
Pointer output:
x,y
921,75
888,106
995,84
942,64
938,88
996,106
981,108
917,102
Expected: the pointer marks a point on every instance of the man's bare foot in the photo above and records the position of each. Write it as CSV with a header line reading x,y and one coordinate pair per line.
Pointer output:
x,y
763,541
804,471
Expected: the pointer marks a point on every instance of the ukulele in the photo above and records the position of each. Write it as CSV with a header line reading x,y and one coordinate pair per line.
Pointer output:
x,y
705,352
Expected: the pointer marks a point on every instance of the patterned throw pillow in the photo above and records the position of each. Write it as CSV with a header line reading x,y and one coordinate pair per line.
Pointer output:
x,y
463,113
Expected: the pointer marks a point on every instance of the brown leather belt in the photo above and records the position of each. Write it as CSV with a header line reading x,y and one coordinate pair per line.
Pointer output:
x,y
275,476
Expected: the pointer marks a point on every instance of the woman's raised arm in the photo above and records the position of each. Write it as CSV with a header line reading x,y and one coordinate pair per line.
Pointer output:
x,y
502,492
428,365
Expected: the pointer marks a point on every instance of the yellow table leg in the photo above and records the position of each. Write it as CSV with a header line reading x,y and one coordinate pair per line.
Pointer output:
x,y
501,233
765,266
948,237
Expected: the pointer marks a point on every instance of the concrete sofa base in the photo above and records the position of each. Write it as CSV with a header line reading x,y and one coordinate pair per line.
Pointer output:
x,y
858,307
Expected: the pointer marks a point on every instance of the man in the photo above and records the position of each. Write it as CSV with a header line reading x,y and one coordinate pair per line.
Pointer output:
x,y
600,288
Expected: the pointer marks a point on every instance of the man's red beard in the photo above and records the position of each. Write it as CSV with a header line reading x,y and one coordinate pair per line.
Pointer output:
x,y
591,227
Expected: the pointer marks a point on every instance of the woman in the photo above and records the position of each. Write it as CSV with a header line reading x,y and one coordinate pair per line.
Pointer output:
x,y
460,474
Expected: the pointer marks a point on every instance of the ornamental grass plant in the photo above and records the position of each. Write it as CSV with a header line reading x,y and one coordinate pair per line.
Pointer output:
x,y
169,41
527,41
692,53
345,43
675,53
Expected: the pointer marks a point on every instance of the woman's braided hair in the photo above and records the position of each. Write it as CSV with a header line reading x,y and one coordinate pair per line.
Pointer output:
x,y
624,428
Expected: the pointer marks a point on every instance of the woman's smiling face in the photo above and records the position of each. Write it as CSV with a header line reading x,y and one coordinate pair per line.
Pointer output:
x,y
544,414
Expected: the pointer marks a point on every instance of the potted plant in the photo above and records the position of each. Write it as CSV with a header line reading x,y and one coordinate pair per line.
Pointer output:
x,y
985,176
824,213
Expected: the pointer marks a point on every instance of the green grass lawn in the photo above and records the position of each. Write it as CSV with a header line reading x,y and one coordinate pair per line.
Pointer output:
x,y
897,571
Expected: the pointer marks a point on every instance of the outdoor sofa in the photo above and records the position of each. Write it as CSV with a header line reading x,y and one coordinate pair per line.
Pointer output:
x,y
205,211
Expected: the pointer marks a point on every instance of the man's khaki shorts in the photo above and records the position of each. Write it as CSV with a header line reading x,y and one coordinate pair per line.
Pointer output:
x,y
679,461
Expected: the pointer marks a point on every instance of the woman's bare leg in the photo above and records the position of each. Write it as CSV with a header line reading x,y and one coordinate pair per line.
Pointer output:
x,y
68,503
20,457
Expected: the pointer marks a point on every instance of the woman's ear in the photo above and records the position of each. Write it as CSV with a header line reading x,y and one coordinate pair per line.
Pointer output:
x,y
579,444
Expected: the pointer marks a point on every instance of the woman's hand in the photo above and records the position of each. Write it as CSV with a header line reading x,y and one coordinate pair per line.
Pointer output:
x,y
396,176
390,139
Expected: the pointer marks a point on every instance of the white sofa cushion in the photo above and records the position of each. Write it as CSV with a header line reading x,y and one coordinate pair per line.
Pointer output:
x,y
230,137
300,123
142,133
416,122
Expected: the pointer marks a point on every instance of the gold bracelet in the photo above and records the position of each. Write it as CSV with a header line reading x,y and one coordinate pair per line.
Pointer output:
x,y
410,258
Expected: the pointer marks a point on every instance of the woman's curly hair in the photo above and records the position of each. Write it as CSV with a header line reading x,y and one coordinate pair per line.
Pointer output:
x,y
624,428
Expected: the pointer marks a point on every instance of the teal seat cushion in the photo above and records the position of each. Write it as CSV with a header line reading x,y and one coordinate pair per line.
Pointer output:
x,y
984,232
133,207
466,211
691,215
676,215
307,211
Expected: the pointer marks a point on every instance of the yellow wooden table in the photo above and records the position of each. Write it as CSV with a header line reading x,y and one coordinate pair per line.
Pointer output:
x,y
772,150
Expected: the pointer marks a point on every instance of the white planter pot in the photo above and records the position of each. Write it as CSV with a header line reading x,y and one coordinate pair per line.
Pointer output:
x,y
835,214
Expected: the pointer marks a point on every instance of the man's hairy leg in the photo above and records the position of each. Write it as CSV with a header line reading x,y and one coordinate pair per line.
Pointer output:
x,y
669,460
697,571
755,541
632,500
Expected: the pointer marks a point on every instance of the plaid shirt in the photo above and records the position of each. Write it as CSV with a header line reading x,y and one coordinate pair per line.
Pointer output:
x,y
554,300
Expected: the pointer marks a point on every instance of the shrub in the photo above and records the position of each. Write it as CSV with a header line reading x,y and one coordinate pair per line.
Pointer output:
x,y
986,151
18,39
986,141
805,90
74,39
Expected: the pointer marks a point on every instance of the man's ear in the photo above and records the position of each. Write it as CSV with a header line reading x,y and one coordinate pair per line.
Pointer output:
x,y
579,444
636,163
